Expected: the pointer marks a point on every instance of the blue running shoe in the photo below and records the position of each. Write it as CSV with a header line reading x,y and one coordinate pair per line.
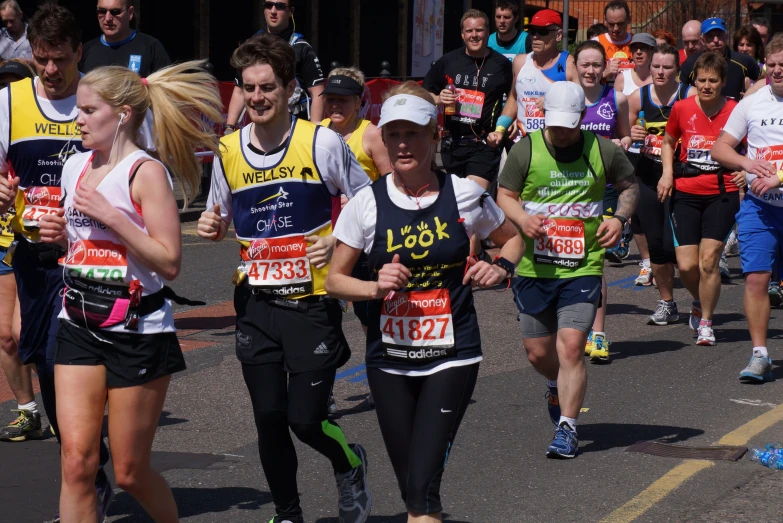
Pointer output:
x,y
105,495
613,254
553,405
565,443
759,369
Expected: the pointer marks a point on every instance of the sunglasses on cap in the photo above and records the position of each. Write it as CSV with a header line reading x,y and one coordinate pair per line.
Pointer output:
x,y
114,12
541,31
280,6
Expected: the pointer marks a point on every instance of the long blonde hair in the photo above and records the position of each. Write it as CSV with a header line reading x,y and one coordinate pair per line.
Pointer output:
x,y
184,100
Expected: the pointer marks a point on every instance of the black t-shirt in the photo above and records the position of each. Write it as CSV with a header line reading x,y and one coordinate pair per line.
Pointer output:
x,y
308,67
140,53
494,82
740,67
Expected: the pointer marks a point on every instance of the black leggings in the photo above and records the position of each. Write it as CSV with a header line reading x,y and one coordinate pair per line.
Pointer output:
x,y
654,215
299,401
419,418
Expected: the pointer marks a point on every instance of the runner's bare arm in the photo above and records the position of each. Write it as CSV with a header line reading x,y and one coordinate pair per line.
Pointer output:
x,y
623,127
619,83
725,154
530,225
8,189
317,107
628,198
235,106
512,248
372,141
667,159
340,284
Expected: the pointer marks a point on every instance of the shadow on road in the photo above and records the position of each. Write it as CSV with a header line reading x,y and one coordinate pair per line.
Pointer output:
x,y
605,436
627,349
626,308
399,518
740,335
193,502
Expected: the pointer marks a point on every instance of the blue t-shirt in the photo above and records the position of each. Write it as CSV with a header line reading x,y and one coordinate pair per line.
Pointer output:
x,y
519,45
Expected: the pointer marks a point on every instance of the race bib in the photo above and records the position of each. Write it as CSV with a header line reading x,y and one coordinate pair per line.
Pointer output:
x,y
279,264
773,154
564,243
470,103
97,260
652,145
417,325
534,117
39,201
700,151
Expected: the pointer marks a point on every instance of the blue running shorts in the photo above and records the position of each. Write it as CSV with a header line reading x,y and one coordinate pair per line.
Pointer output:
x,y
759,229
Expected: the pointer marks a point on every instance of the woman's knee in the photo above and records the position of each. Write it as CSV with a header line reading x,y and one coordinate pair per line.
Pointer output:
x,y
79,465
129,474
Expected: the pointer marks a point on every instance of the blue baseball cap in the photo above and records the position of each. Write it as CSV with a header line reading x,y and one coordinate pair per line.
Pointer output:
x,y
713,23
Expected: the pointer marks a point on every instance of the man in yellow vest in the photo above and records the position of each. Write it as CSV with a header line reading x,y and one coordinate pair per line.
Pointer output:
x,y
37,136
275,180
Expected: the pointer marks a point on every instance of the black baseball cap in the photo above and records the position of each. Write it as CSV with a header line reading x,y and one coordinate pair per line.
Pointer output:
x,y
343,85
17,68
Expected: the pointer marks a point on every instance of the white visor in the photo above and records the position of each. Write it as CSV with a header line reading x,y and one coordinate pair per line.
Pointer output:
x,y
409,108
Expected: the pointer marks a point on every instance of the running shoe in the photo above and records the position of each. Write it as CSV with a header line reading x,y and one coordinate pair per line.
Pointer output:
x,y
286,519
105,494
370,400
565,443
627,238
645,277
732,245
723,267
553,405
775,294
600,352
759,369
695,317
665,314
705,337
332,405
355,498
27,425
618,253
589,346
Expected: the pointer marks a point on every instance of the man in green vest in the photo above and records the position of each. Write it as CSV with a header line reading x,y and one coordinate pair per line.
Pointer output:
x,y
560,174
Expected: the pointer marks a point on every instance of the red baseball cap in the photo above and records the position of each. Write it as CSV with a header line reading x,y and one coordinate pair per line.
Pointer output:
x,y
545,18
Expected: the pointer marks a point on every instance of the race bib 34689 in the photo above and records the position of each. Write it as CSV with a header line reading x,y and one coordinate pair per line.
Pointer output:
x,y
564,243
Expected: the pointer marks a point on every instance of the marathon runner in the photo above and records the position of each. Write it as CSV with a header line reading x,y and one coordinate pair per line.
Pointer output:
x,y
703,198
276,180
616,42
760,218
508,40
561,175
37,135
656,100
119,224
535,73
423,343
606,114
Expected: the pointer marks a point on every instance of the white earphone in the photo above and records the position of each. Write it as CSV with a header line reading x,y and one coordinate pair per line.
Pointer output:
x,y
122,118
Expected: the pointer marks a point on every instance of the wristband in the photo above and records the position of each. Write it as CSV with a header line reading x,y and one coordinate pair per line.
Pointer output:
x,y
505,264
500,129
504,122
622,219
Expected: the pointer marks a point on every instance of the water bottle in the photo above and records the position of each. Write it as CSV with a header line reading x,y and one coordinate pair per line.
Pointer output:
x,y
774,448
451,108
772,460
639,121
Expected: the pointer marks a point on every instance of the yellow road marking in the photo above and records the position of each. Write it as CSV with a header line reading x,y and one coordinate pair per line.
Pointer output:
x,y
653,494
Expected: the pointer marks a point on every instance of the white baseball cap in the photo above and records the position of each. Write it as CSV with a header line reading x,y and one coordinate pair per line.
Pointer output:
x,y
563,105
410,108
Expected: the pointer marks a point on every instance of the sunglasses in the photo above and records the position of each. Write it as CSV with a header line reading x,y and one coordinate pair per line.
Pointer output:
x,y
540,31
114,12
280,6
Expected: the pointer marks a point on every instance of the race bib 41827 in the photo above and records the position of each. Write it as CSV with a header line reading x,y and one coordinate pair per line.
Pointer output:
x,y
418,325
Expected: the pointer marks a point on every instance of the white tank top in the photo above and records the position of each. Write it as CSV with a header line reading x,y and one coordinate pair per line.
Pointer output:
x,y
629,86
531,84
96,253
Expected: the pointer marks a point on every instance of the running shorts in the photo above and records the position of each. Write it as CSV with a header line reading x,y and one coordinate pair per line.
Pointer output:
x,y
611,197
695,217
4,269
759,230
472,159
305,335
547,304
653,216
130,359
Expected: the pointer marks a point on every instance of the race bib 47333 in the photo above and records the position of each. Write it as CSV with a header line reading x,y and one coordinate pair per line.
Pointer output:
x,y
279,264
417,325
564,243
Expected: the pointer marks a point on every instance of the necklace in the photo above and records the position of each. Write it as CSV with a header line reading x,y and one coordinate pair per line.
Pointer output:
x,y
417,196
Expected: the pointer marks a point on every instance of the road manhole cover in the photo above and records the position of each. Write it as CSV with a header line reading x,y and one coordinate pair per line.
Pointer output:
x,y
668,450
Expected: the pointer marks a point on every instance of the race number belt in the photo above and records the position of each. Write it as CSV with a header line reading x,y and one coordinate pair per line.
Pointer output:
x,y
96,260
417,326
279,265
563,245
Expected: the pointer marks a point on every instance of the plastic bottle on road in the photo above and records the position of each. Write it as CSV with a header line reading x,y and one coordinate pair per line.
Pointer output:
x,y
775,448
768,459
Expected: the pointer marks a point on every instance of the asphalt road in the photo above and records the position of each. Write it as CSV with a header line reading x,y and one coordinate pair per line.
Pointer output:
x,y
658,386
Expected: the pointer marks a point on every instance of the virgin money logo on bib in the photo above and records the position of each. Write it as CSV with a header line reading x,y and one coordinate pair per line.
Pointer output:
x,y
550,227
258,250
39,196
77,255
397,305
697,141
770,154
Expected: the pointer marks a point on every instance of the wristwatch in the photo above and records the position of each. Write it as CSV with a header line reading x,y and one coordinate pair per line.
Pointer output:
x,y
623,219
505,264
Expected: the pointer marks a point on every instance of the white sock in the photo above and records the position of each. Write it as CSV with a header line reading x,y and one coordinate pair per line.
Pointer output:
x,y
602,334
646,262
760,351
32,407
571,422
551,383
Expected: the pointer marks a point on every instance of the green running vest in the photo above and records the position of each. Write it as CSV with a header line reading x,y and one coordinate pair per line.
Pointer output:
x,y
570,195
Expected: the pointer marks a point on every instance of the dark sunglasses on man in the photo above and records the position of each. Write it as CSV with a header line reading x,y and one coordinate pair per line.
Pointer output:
x,y
280,6
114,12
541,31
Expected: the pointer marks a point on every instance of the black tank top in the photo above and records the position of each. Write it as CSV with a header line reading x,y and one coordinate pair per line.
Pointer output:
x,y
433,320
655,119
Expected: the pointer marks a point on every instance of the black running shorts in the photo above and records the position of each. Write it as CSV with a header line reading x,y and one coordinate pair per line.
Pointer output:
x,y
472,159
695,217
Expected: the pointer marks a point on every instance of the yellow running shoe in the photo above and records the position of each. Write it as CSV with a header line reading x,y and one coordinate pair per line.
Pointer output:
x,y
590,345
600,354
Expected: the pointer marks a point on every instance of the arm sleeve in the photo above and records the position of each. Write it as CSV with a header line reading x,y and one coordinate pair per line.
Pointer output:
x,y
435,80
482,215
312,74
160,58
220,192
516,167
673,124
337,165
352,225
737,124
619,168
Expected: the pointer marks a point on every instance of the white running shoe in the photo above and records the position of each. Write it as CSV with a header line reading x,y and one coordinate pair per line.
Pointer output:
x,y
706,336
645,277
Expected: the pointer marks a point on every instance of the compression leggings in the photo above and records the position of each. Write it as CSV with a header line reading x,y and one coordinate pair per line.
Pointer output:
x,y
299,401
419,417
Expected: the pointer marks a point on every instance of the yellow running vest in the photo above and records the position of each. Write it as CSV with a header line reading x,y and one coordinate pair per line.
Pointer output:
x,y
356,147
37,146
274,208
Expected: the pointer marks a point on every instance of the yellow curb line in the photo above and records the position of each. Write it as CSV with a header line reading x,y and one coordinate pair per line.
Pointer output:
x,y
653,494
